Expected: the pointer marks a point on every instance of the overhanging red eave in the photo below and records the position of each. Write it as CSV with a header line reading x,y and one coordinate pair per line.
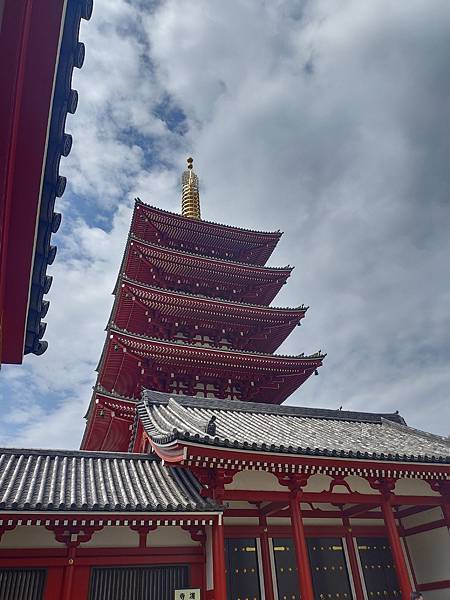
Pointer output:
x,y
175,453
199,451
26,81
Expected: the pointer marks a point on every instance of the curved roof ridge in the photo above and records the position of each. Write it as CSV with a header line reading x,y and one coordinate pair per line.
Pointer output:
x,y
155,397
277,233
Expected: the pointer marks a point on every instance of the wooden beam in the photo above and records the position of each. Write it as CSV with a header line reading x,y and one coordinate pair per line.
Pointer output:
x,y
359,510
273,507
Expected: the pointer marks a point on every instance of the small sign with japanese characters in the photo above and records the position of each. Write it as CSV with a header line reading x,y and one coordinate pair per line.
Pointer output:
x,y
187,594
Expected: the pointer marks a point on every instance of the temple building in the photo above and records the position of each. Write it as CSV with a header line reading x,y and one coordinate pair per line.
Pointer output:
x,y
195,478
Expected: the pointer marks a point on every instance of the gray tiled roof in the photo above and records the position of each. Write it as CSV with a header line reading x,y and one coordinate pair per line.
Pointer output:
x,y
60,480
290,429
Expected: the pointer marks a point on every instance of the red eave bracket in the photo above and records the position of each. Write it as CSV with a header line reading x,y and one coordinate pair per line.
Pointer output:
x,y
169,454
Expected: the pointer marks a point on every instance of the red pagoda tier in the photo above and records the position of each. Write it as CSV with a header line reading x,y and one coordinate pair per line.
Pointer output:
x,y
191,316
199,319
193,273
202,237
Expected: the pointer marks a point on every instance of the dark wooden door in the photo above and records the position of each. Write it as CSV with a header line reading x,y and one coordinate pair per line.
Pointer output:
x,y
242,569
378,568
328,569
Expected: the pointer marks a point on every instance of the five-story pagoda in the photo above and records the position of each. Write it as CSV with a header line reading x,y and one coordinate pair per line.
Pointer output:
x,y
191,316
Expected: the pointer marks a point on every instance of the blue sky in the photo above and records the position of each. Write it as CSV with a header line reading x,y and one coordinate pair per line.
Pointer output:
x,y
328,120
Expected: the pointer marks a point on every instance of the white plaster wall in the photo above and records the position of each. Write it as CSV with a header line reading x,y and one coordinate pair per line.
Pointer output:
x,y
361,485
430,555
427,516
413,487
170,536
318,483
255,480
32,536
278,521
113,537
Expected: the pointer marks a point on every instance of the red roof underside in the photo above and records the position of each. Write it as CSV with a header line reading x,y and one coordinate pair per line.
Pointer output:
x,y
162,313
166,268
110,425
130,363
212,239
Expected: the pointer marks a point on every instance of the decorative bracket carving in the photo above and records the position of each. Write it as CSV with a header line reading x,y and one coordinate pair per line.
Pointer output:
x,y
197,534
213,481
339,480
295,482
143,531
384,485
74,535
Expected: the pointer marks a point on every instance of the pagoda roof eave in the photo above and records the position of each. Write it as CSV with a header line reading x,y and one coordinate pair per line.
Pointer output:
x,y
292,311
99,390
318,356
212,260
201,223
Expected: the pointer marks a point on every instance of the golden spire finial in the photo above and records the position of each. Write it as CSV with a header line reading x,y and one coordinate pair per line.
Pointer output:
x,y
190,197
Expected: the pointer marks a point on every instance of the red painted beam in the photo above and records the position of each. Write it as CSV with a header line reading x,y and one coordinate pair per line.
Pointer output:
x,y
273,507
413,510
329,497
424,527
274,460
443,584
358,510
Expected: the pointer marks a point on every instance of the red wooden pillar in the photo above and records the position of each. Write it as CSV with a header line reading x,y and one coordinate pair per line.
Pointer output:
x,y
265,559
218,549
68,574
356,576
397,550
301,550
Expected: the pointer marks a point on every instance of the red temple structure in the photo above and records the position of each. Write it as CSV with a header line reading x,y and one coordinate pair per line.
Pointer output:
x,y
191,316
39,47
195,479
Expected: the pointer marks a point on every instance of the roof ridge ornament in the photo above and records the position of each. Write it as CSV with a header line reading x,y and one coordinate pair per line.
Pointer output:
x,y
190,196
